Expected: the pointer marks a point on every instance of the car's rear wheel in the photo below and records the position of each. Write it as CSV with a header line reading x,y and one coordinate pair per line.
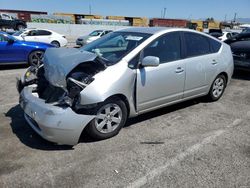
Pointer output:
x,y
35,57
218,87
20,27
110,118
55,43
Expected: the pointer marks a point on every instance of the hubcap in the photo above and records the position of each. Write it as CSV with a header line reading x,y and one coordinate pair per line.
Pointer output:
x,y
36,58
218,87
108,118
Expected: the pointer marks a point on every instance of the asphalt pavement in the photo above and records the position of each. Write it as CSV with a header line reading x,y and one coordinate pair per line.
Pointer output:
x,y
192,144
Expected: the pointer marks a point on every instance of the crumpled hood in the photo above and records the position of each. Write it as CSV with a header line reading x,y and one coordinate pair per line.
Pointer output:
x,y
59,62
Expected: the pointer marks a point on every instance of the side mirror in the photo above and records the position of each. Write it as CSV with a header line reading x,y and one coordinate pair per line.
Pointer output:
x,y
150,61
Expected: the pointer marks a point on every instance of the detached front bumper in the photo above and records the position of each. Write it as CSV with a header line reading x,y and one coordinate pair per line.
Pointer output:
x,y
53,123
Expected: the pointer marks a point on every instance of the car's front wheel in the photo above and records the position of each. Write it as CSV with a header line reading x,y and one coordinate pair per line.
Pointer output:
x,y
110,118
20,27
35,58
217,88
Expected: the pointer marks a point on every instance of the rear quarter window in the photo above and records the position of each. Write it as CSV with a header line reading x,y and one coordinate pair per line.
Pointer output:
x,y
214,45
196,44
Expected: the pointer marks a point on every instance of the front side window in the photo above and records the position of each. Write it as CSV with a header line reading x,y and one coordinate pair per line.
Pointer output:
x,y
167,48
196,44
17,33
114,46
32,33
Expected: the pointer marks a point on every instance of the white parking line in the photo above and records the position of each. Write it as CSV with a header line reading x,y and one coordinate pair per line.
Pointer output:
x,y
180,157
172,162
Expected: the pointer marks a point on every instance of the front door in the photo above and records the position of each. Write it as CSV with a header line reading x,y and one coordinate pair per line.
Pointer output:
x,y
157,86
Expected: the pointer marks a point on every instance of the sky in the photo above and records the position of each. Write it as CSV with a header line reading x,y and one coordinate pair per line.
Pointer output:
x,y
188,9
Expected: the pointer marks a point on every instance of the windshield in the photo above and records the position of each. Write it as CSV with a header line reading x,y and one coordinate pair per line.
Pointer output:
x,y
17,33
95,33
114,46
246,30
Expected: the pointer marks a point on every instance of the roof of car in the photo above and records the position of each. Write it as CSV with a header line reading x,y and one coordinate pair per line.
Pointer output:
x,y
149,30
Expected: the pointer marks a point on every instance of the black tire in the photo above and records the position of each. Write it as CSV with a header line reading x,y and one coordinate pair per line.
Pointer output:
x,y
20,27
218,86
55,43
92,129
35,58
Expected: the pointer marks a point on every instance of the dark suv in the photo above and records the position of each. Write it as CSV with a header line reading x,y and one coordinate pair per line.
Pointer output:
x,y
8,22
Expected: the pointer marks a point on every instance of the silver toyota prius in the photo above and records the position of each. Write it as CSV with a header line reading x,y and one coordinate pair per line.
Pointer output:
x,y
99,86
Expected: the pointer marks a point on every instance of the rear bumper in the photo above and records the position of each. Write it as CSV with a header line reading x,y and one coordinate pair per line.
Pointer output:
x,y
55,124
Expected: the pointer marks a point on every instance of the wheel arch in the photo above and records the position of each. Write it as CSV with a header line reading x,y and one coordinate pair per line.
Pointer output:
x,y
226,76
123,98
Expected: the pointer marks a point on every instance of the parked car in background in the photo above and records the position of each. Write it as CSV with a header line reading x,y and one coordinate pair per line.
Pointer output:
x,y
240,45
226,35
216,35
14,51
91,37
42,35
98,87
8,22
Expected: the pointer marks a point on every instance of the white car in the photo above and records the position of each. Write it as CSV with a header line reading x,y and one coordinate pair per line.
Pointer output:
x,y
226,35
42,35
91,37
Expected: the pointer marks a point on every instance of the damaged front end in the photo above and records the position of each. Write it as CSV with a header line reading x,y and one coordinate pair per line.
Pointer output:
x,y
49,94
60,80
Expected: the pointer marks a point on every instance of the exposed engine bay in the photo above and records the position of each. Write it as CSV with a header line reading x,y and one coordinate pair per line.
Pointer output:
x,y
76,80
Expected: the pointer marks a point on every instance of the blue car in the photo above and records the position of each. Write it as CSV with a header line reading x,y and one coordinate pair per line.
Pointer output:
x,y
14,51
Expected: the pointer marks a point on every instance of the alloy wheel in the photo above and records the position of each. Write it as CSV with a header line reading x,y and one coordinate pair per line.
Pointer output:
x,y
218,87
35,58
108,118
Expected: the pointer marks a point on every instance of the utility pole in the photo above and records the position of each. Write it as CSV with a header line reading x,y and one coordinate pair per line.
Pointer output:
x,y
90,9
164,12
235,16
225,18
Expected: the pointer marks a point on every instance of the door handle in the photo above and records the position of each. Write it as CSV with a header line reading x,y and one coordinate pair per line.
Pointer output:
x,y
179,70
214,62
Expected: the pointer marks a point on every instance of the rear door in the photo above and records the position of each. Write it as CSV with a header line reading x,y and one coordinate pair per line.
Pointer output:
x,y
44,36
160,85
197,59
200,64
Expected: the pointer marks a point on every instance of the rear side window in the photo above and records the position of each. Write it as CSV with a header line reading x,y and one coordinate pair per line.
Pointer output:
x,y
196,44
43,33
214,45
